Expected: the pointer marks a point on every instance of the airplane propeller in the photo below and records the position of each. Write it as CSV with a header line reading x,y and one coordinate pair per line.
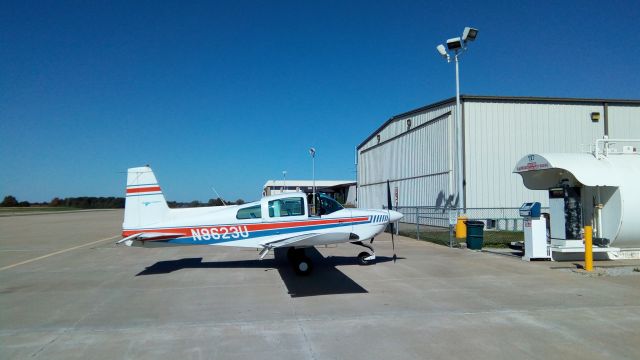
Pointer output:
x,y
389,205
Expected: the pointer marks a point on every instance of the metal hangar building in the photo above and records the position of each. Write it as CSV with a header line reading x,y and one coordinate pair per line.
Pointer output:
x,y
416,150
342,190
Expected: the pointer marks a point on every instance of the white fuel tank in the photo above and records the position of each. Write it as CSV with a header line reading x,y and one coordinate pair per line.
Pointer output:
x,y
612,181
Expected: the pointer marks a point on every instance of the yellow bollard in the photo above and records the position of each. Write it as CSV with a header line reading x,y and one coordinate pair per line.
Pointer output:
x,y
588,248
461,227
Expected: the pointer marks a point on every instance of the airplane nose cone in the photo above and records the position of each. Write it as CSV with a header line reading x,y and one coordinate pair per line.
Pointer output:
x,y
395,216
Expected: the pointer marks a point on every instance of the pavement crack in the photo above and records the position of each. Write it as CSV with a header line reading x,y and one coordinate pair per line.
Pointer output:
x,y
35,354
307,342
299,322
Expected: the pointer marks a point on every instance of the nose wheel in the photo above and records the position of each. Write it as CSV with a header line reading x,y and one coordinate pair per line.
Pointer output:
x,y
301,264
365,258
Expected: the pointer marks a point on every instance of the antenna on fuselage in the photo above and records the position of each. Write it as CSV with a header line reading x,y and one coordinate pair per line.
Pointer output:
x,y
219,197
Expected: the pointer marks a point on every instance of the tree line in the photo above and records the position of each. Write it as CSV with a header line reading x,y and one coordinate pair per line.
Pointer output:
x,y
211,202
93,202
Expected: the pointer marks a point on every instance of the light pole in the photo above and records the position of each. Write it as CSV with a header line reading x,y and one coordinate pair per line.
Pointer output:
x,y
284,180
312,151
458,46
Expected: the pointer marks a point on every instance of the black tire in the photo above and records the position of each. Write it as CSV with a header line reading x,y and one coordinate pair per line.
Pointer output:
x,y
303,266
361,258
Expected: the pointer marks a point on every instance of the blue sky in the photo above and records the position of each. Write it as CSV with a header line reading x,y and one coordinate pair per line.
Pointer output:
x,y
229,94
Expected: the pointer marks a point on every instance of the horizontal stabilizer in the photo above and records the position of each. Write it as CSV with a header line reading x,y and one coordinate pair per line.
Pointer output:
x,y
147,237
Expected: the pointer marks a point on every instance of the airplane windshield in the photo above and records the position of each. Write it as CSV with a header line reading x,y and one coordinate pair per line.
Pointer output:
x,y
329,205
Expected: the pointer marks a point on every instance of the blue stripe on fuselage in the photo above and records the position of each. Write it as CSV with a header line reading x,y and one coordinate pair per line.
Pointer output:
x,y
258,233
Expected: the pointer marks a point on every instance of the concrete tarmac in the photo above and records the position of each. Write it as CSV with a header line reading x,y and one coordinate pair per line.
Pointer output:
x,y
68,292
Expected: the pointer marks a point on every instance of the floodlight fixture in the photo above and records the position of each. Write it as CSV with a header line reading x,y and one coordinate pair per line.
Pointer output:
x,y
442,50
454,44
469,34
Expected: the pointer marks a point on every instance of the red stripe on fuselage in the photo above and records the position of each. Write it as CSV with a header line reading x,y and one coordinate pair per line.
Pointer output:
x,y
250,227
143,189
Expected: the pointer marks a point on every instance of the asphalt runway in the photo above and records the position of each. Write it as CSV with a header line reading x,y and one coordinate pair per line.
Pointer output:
x,y
68,292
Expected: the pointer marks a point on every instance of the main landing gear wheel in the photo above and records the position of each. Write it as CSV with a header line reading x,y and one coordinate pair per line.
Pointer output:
x,y
302,265
362,258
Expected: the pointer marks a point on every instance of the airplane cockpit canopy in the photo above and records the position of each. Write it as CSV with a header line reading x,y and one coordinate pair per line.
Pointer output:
x,y
328,205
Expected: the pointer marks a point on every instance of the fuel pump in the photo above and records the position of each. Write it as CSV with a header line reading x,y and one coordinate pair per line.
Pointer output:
x,y
535,232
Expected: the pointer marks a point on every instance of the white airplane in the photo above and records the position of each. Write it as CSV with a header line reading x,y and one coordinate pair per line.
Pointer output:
x,y
278,221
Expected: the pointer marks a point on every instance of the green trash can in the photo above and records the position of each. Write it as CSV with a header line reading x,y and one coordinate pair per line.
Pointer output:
x,y
475,234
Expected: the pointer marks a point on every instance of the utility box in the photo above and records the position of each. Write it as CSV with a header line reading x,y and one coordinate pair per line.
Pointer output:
x,y
535,232
531,209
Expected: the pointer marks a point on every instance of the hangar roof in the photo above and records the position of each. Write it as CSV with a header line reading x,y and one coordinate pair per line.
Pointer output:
x,y
307,183
529,99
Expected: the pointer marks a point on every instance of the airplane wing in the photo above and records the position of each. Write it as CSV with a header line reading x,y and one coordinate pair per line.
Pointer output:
x,y
129,240
309,240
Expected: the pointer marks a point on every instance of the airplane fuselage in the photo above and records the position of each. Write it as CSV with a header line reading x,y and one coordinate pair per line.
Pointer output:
x,y
340,226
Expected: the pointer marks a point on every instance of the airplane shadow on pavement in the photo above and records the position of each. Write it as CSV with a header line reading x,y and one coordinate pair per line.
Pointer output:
x,y
325,279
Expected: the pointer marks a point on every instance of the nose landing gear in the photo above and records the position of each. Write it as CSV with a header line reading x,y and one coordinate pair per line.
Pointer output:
x,y
364,258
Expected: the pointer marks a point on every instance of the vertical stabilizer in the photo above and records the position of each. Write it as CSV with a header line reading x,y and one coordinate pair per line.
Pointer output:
x,y
145,204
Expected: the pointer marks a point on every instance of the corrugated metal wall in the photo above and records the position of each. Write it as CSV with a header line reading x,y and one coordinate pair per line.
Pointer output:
x,y
498,133
399,126
417,161
624,121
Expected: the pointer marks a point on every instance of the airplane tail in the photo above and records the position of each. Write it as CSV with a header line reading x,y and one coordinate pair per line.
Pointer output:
x,y
145,204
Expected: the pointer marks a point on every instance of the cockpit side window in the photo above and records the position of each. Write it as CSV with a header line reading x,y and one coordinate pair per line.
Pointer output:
x,y
293,206
252,212
329,205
